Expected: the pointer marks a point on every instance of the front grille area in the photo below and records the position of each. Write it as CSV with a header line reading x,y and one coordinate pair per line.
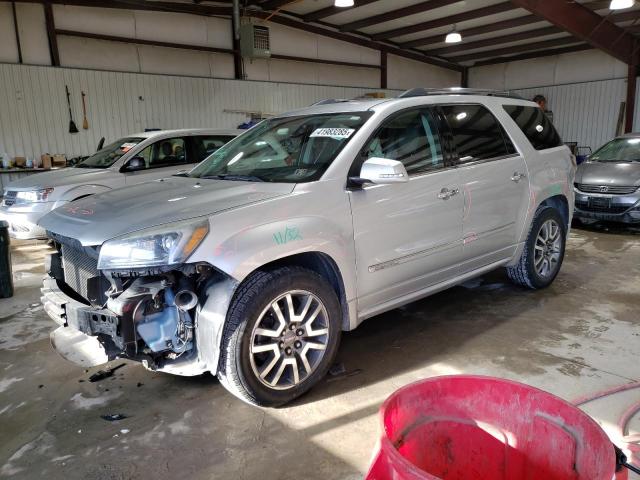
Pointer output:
x,y
610,189
612,209
78,267
9,199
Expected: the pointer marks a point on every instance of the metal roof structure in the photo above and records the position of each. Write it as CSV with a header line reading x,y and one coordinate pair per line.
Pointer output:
x,y
493,31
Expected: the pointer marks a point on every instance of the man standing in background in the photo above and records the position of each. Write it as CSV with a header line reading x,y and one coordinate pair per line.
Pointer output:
x,y
542,103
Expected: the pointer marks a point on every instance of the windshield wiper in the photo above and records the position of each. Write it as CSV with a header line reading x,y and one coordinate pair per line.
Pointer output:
x,y
234,178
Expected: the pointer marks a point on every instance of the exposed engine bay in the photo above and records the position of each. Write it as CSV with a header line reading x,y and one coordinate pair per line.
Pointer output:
x,y
146,315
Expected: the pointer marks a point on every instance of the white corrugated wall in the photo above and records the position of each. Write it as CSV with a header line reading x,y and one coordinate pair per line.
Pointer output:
x,y
34,118
586,113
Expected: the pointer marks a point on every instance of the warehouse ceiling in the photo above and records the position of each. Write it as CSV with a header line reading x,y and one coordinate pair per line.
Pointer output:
x,y
493,31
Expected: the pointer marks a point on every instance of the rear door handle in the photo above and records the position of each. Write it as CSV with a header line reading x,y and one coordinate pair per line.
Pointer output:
x,y
446,194
517,176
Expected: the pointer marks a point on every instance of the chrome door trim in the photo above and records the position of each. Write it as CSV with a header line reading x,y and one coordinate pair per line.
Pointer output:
x,y
483,233
413,256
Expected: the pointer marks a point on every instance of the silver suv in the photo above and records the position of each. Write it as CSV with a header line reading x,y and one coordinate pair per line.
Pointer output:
x,y
251,265
138,158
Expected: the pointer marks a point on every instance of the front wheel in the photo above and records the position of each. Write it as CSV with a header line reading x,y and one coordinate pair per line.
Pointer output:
x,y
281,336
543,252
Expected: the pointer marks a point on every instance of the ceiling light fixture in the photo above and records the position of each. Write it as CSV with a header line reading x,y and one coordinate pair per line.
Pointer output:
x,y
343,3
453,36
621,4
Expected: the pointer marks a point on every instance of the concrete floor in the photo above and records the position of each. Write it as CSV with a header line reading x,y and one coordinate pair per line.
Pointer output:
x,y
578,337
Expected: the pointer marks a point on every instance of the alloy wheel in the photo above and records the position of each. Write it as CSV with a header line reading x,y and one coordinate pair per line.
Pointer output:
x,y
547,248
289,339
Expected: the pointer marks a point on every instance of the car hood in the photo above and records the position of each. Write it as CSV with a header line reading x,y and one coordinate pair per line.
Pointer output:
x,y
63,177
98,218
609,173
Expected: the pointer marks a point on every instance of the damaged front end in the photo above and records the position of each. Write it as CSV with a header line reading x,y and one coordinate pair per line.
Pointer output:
x,y
169,318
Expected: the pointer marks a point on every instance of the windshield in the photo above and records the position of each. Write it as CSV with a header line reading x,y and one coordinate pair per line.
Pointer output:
x,y
110,154
288,149
618,150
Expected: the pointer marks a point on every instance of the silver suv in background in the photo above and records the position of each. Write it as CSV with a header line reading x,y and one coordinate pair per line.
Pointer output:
x,y
252,265
134,159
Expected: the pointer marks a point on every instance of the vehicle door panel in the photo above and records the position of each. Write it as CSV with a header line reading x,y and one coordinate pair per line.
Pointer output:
x,y
406,237
494,181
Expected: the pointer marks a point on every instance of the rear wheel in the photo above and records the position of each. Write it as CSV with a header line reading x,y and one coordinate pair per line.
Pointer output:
x,y
281,336
543,252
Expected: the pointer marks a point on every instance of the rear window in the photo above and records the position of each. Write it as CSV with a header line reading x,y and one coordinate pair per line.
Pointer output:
x,y
477,134
535,125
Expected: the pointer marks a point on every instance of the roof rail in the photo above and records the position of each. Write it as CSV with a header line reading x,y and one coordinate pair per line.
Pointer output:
x,y
329,101
422,92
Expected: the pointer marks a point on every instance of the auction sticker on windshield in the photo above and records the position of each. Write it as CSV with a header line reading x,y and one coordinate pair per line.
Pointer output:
x,y
333,132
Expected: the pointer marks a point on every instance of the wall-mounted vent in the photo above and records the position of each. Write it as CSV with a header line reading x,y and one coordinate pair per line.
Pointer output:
x,y
254,40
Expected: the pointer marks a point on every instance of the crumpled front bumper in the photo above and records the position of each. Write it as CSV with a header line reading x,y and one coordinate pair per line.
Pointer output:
x,y
78,324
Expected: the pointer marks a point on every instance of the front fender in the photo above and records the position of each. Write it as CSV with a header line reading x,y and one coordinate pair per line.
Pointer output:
x,y
247,250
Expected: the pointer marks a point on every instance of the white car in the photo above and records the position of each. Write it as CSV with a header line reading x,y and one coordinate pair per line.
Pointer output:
x,y
130,160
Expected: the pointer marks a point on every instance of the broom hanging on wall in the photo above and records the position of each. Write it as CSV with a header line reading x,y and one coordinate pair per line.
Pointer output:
x,y
72,124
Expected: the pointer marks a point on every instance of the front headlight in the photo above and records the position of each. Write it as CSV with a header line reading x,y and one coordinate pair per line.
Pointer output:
x,y
164,245
34,196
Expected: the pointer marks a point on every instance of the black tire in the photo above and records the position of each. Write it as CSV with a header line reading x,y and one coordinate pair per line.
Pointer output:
x,y
253,296
524,272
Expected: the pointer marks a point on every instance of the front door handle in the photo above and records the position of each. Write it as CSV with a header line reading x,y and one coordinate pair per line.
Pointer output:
x,y
446,194
517,176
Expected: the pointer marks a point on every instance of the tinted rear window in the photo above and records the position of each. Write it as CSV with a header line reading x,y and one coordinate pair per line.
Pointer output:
x,y
477,135
535,125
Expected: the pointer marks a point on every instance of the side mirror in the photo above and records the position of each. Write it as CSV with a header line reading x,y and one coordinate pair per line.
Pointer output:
x,y
134,164
382,171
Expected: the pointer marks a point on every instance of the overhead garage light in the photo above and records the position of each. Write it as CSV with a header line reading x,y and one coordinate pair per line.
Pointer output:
x,y
343,3
453,36
621,4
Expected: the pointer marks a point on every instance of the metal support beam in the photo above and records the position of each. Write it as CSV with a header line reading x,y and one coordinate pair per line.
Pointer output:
x,y
537,46
15,27
383,68
51,34
328,11
464,79
631,98
357,40
528,56
586,25
275,4
238,66
138,41
443,22
495,41
395,14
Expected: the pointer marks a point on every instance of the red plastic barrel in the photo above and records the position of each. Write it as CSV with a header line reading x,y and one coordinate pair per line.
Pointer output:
x,y
471,427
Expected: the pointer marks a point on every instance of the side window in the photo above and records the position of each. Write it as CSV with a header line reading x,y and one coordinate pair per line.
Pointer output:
x,y
165,153
535,125
206,145
411,138
477,134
